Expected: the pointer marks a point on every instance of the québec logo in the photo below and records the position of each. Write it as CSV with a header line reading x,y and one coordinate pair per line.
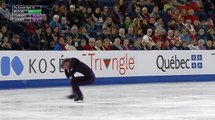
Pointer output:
x,y
7,63
194,62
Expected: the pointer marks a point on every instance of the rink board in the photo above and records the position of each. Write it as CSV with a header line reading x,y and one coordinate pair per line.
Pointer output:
x,y
42,68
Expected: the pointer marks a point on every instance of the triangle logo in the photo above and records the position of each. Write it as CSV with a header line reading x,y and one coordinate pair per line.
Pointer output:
x,y
107,62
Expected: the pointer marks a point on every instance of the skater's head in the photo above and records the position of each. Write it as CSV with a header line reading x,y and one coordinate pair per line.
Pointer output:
x,y
66,63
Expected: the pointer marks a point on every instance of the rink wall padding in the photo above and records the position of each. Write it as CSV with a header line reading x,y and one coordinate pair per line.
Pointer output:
x,y
17,84
34,69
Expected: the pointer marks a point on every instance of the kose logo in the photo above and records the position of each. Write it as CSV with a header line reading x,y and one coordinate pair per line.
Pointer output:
x,y
164,64
121,64
6,64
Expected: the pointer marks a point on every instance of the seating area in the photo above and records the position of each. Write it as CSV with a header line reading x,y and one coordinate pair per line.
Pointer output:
x,y
111,25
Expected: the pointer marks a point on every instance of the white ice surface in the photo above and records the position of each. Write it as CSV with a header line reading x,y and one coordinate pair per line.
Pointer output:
x,y
172,101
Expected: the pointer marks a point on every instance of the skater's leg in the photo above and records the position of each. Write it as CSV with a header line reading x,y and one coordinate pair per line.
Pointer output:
x,y
76,88
76,82
84,80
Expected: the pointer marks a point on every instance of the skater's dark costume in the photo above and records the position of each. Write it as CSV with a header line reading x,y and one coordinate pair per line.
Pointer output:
x,y
88,78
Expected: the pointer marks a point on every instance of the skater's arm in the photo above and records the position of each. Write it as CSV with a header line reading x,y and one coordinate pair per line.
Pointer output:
x,y
69,73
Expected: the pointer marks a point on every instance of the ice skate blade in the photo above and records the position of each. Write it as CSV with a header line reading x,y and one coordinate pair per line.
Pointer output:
x,y
80,101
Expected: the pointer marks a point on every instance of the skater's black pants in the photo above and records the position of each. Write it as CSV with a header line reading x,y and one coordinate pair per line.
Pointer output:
x,y
77,81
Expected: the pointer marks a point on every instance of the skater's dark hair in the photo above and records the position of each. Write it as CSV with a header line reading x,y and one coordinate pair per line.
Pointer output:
x,y
64,61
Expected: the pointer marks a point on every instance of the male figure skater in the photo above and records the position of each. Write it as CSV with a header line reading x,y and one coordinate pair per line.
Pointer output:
x,y
73,65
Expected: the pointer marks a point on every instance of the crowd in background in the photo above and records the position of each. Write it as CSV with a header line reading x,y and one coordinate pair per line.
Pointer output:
x,y
112,25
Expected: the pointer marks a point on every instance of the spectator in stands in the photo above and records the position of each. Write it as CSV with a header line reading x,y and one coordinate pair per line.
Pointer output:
x,y
131,7
55,11
75,35
130,35
56,33
144,44
170,38
63,11
211,34
117,16
167,45
145,15
97,18
172,25
3,32
122,7
125,45
189,25
176,46
83,43
108,24
197,25
16,43
90,45
105,34
148,36
44,23
106,44
155,13
213,45
190,16
69,46
209,45
98,45
137,13
64,25
5,44
177,35
181,23
168,5
192,45
150,45
139,33
60,44
113,34
184,46
210,23
117,44
50,38
184,36
127,23
148,4
158,37
136,25
4,11
160,25
158,45
55,22
193,34
36,39
136,44
201,44
121,34
88,19
152,23
210,8
183,13
176,15
72,16
84,33
167,16
201,35
105,12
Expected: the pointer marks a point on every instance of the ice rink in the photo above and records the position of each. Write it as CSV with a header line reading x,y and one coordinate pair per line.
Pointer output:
x,y
165,101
